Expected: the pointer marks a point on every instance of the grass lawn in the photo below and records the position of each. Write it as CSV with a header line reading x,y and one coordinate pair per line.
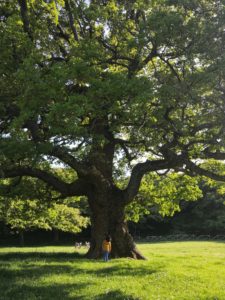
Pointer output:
x,y
174,270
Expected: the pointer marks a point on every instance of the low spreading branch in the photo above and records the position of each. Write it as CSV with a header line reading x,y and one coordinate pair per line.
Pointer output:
x,y
76,188
197,170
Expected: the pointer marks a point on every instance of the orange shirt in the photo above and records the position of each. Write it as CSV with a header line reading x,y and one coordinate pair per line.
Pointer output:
x,y
106,246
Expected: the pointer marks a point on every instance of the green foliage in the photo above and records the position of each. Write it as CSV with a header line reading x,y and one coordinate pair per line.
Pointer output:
x,y
25,215
217,167
71,83
66,219
28,204
163,194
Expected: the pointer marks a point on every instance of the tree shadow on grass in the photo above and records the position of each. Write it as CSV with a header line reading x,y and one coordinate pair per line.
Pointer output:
x,y
124,271
31,282
24,284
26,276
43,292
29,263
32,271
50,256
115,295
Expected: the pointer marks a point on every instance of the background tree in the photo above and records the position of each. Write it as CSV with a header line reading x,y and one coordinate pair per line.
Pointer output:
x,y
26,215
66,219
206,216
110,88
27,205
203,217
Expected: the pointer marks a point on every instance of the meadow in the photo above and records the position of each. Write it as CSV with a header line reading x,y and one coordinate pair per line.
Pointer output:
x,y
174,270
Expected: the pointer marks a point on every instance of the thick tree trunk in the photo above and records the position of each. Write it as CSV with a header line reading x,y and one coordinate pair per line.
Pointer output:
x,y
108,217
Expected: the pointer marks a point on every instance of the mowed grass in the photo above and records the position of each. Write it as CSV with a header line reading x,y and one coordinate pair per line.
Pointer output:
x,y
174,270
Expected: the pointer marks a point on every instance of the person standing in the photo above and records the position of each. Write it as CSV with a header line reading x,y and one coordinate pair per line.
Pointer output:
x,y
106,247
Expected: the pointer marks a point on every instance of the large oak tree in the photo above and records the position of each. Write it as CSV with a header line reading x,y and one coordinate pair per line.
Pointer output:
x,y
106,88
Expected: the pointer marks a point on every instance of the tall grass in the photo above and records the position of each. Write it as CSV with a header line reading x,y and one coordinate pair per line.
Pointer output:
x,y
179,270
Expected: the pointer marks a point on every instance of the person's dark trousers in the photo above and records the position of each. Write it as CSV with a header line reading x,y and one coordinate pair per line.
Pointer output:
x,y
105,255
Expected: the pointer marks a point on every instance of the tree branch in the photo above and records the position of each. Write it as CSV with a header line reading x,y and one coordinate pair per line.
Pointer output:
x,y
71,20
203,126
171,67
151,55
66,189
24,16
55,151
216,155
141,169
114,51
199,171
67,158
63,34
123,143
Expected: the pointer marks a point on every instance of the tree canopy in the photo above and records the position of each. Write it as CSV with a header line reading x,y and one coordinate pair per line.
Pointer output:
x,y
109,88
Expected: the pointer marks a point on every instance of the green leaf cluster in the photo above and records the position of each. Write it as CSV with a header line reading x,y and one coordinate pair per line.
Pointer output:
x,y
163,194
